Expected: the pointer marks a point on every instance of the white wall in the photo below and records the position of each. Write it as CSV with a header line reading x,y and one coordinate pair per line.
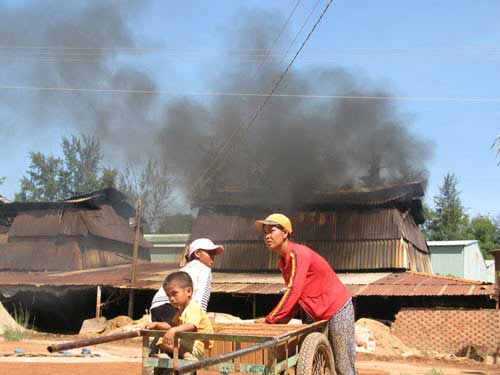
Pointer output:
x,y
474,265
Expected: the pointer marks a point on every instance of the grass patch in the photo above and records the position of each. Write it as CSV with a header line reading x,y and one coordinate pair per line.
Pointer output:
x,y
17,332
435,372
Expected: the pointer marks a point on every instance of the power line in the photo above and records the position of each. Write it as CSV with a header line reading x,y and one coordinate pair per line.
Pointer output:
x,y
299,32
278,36
251,94
221,151
239,50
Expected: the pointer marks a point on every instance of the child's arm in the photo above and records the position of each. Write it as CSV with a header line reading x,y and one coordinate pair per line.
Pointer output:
x,y
158,325
187,327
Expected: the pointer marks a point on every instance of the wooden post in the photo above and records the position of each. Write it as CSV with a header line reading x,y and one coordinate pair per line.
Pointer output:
x,y
496,254
134,259
98,303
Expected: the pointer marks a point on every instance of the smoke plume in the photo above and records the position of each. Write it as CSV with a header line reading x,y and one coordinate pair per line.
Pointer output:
x,y
296,146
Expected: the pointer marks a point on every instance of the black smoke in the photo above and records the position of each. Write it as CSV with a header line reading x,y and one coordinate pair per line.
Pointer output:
x,y
83,45
296,146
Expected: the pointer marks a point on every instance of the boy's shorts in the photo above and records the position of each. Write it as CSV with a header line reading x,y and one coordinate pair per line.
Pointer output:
x,y
195,350
163,313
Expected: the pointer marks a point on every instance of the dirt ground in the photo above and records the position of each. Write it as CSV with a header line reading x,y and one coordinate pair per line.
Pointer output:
x,y
124,358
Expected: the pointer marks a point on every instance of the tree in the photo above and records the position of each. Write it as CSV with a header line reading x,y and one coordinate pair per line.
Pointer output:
x,y
486,231
79,170
154,187
450,221
178,223
429,217
44,180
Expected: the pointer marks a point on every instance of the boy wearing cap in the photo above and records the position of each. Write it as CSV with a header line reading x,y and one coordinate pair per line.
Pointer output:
x,y
200,259
313,290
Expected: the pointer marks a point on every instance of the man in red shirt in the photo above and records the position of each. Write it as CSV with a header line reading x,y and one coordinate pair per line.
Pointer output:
x,y
313,290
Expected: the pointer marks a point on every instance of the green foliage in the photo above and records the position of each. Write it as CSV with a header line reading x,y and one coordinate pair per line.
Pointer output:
x,y
17,332
434,371
449,220
178,223
154,187
43,182
79,170
429,217
487,232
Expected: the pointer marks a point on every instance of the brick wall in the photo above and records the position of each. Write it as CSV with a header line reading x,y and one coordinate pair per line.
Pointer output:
x,y
448,331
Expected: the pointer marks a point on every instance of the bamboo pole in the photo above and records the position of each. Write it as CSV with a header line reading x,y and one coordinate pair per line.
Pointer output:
x,y
135,256
98,303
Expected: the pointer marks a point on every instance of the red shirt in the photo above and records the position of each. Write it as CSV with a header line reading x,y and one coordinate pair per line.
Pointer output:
x,y
311,284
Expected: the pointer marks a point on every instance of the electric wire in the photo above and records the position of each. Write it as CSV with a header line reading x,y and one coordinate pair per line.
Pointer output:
x,y
221,151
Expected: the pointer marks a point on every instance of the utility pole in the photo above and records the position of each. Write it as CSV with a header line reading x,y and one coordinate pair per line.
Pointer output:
x,y
496,254
138,215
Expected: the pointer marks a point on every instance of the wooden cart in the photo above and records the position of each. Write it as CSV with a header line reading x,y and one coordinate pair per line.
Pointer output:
x,y
250,349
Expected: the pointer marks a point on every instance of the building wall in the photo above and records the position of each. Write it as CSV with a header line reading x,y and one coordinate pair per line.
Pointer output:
x,y
167,247
447,260
490,270
474,265
461,259
449,331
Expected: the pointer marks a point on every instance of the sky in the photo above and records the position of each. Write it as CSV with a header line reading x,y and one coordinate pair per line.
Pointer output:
x,y
438,59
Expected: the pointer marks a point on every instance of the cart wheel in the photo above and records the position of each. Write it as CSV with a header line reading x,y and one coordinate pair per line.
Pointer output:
x,y
315,356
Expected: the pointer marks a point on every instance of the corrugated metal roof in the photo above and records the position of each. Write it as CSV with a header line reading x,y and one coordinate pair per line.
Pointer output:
x,y
40,255
452,243
338,225
104,223
151,275
353,197
421,284
341,255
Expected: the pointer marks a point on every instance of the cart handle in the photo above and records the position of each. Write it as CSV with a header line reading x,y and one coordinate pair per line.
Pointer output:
x,y
224,357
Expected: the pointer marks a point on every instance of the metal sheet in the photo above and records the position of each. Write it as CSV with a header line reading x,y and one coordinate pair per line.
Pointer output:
x,y
342,255
343,197
104,223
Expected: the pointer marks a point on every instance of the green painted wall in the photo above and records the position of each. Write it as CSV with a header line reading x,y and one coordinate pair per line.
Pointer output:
x,y
167,247
448,260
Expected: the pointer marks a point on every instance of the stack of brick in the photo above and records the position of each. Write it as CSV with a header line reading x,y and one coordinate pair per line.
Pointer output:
x,y
453,331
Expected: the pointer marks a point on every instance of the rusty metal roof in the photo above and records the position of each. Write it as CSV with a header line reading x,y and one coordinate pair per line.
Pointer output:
x,y
89,201
341,197
422,284
151,275
324,225
251,256
103,222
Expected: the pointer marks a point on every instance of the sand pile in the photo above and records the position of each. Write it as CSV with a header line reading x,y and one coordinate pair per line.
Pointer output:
x,y
386,344
122,324
7,321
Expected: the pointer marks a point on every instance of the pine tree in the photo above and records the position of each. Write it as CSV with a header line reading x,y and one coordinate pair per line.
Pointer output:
x,y
79,170
450,221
